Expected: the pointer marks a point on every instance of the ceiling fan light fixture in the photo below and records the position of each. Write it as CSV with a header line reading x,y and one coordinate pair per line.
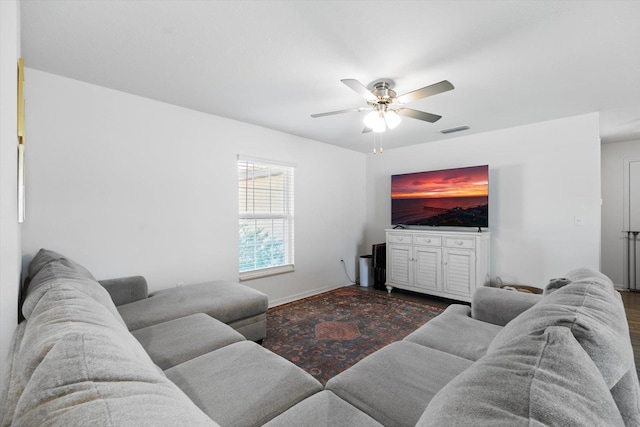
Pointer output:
x,y
375,121
392,118
380,126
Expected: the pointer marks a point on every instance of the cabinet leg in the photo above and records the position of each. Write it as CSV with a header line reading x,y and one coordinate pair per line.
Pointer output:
x,y
389,288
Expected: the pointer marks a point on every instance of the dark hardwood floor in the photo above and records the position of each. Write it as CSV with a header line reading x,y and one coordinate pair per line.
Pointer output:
x,y
631,303
632,307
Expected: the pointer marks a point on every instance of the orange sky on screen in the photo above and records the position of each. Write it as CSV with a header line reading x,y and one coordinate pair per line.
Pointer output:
x,y
465,182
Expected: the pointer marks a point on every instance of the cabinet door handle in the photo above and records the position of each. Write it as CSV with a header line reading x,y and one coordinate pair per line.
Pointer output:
x,y
459,242
428,240
401,238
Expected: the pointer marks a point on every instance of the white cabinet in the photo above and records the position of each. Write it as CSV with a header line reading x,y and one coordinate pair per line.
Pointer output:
x,y
443,263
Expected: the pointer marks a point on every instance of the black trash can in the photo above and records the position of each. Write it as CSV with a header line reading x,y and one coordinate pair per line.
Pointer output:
x,y
379,265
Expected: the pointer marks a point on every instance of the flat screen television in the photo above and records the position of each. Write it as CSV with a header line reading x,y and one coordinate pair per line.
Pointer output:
x,y
449,198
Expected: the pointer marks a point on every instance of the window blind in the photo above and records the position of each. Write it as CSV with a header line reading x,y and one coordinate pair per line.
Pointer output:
x,y
266,221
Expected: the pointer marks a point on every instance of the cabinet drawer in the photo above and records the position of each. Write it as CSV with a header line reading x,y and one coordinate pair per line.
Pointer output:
x,y
400,238
460,242
427,240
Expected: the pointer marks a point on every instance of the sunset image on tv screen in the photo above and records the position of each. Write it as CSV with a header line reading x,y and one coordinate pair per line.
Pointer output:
x,y
451,197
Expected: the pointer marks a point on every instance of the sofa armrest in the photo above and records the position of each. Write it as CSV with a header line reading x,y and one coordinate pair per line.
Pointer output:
x,y
499,306
126,289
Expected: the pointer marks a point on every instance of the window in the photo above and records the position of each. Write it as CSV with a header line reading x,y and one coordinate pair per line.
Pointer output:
x,y
265,193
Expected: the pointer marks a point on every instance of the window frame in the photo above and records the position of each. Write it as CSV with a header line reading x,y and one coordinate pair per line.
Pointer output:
x,y
286,215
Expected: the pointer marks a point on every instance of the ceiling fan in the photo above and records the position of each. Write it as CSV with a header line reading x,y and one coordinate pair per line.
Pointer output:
x,y
386,106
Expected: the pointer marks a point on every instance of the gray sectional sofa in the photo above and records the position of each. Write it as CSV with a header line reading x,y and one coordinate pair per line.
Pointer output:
x,y
510,359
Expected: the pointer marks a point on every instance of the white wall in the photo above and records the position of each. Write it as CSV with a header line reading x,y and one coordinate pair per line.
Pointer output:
x,y
613,244
126,185
9,229
540,177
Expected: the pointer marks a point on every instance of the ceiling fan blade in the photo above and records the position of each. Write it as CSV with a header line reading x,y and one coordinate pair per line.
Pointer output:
x,y
434,89
360,89
420,115
350,110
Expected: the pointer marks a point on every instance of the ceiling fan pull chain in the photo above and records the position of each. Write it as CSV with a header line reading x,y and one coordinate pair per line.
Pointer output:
x,y
377,143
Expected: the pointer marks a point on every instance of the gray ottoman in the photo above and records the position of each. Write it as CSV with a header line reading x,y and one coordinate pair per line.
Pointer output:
x,y
395,384
243,384
176,341
323,409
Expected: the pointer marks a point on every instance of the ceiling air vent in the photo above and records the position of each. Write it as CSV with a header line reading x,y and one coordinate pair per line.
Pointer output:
x,y
456,129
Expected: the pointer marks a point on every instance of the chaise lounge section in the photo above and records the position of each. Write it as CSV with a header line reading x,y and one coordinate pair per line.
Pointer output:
x,y
241,307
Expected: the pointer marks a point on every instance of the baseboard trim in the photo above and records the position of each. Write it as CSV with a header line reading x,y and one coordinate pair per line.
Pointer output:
x,y
306,294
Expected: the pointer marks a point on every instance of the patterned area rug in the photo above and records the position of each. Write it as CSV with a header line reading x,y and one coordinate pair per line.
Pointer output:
x,y
327,333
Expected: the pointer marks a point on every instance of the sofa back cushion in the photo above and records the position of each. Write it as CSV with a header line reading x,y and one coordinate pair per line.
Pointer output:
x,y
44,256
64,309
538,379
56,273
88,378
626,394
592,309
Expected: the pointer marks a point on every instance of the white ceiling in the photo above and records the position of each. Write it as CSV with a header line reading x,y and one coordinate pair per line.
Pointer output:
x,y
274,63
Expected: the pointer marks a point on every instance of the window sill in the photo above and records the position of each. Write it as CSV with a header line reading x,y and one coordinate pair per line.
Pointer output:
x,y
257,274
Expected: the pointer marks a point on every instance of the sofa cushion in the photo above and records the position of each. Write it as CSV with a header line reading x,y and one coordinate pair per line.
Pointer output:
x,y
225,301
13,385
44,256
62,310
499,306
243,384
395,384
87,378
323,409
56,273
253,328
594,313
455,332
124,290
586,274
538,379
176,341
626,394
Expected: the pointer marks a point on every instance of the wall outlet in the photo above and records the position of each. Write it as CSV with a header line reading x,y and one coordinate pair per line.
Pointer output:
x,y
578,221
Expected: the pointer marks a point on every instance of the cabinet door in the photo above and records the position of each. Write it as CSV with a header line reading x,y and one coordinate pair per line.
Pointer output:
x,y
428,268
459,271
399,264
